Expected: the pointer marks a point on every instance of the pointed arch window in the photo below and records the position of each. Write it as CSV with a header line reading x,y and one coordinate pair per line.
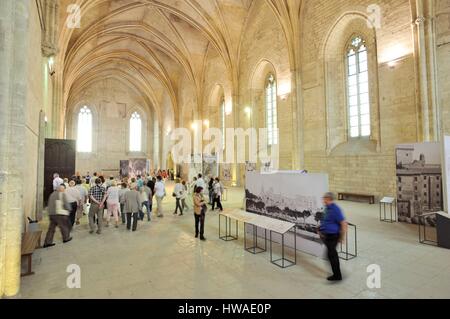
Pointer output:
x,y
271,110
358,88
84,134
135,133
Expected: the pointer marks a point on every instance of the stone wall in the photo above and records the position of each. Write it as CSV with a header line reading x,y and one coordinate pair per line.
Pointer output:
x,y
112,103
22,92
443,56
366,166
263,51
39,87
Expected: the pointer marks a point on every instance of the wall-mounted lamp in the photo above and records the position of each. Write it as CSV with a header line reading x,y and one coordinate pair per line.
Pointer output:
x,y
194,126
228,108
284,90
206,123
392,64
248,111
51,66
46,119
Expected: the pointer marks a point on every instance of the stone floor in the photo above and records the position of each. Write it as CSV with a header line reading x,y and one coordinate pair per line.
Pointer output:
x,y
164,260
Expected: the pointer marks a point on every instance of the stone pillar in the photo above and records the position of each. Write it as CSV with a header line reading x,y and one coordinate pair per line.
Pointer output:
x,y
423,74
237,178
50,30
13,100
41,167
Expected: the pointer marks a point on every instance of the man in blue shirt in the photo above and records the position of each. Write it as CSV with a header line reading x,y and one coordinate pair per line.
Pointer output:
x,y
333,228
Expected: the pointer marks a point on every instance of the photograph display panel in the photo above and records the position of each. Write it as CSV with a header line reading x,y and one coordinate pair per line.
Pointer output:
x,y
294,197
419,182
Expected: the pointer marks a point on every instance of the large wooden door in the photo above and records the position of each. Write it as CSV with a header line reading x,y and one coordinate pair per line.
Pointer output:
x,y
60,156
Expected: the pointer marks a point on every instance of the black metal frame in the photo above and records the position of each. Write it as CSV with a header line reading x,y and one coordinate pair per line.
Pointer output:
x,y
228,230
345,254
282,261
255,249
393,213
424,240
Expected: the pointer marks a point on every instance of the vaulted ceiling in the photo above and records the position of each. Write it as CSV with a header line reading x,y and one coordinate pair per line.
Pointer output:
x,y
152,44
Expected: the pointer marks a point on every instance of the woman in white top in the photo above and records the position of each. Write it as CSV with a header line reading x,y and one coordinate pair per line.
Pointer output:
x,y
179,193
74,198
217,194
112,199
160,193
83,194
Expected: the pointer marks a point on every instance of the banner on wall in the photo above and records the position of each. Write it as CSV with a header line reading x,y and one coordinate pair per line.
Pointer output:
x,y
210,165
419,182
227,174
294,197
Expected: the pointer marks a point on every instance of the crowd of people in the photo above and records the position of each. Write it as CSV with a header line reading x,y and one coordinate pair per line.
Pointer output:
x,y
128,200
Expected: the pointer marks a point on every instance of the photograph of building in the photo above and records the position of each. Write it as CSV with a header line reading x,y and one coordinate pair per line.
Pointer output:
x,y
317,98
419,182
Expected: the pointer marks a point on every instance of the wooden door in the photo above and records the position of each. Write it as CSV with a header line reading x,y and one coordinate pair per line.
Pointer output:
x,y
60,156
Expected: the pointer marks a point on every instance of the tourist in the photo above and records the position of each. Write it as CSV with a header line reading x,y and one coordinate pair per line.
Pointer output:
x,y
132,206
199,213
96,195
217,194
149,192
83,200
58,211
112,200
57,181
178,192
211,190
183,198
102,178
201,183
93,180
160,193
66,183
151,184
74,198
193,186
110,182
140,181
123,189
145,193
333,228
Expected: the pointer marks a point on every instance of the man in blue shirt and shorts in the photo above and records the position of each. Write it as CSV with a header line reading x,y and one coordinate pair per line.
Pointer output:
x,y
333,228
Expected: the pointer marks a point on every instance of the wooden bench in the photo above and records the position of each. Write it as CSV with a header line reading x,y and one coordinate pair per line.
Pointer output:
x,y
30,241
370,198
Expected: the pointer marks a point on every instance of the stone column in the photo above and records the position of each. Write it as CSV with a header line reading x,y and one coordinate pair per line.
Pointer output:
x,y
423,74
13,100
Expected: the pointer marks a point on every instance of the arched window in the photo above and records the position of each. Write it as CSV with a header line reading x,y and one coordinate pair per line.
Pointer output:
x,y
135,133
223,117
271,110
84,136
358,88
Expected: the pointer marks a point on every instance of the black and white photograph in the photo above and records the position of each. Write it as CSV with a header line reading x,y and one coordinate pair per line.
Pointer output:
x,y
290,196
419,182
210,165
